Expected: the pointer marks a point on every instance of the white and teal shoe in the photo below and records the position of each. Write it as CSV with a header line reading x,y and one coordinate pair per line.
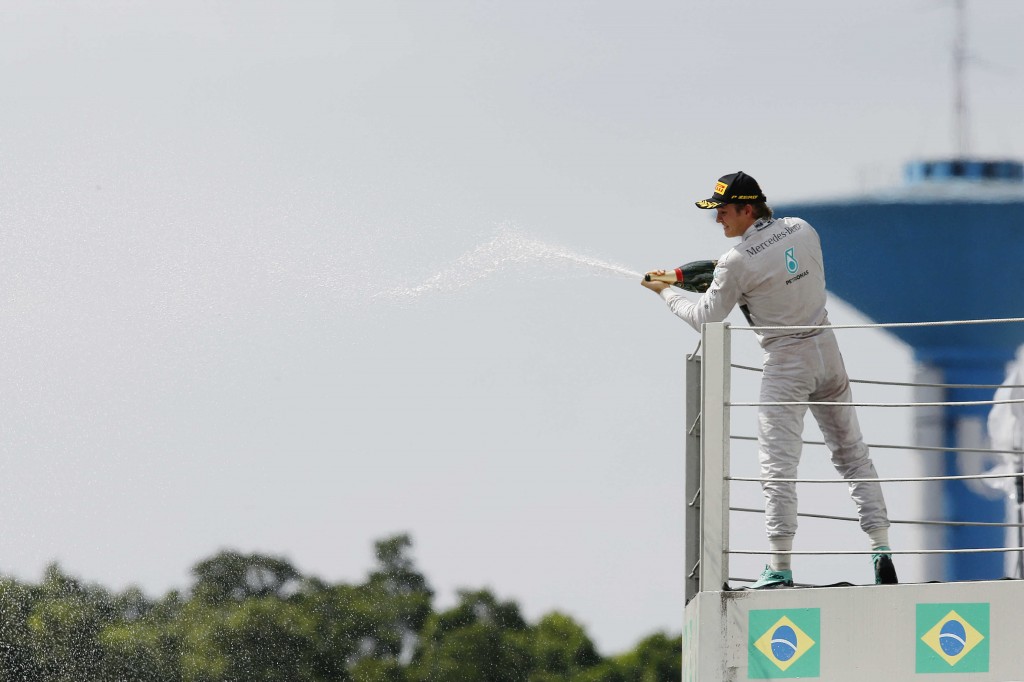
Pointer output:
x,y
771,578
885,572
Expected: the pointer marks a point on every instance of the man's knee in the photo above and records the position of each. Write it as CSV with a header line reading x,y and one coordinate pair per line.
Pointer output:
x,y
850,458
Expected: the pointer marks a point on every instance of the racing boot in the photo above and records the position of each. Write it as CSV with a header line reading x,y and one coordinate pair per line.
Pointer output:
x,y
885,572
771,578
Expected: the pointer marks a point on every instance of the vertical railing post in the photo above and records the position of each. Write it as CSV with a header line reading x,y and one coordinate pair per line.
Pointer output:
x,y
691,481
714,446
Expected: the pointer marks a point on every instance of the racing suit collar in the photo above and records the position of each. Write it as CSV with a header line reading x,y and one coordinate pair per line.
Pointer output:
x,y
758,225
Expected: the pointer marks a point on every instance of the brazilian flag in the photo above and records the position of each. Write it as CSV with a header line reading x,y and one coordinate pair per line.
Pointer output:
x,y
952,638
783,643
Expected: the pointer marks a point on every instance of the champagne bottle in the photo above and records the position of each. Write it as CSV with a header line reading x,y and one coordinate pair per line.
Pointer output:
x,y
696,276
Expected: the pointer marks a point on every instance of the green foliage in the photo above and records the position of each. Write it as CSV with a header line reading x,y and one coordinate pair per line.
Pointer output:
x,y
231,576
16,658
140,652
480,639
63,627
561,649
656,658
261,638
255,618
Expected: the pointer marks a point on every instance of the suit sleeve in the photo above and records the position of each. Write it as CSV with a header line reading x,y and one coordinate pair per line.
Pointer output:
x,y
714,305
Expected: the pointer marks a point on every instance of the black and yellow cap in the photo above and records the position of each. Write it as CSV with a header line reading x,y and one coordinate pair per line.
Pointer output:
x,y
733,189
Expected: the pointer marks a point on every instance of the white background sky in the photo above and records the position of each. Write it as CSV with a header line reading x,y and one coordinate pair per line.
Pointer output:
x,y
198,201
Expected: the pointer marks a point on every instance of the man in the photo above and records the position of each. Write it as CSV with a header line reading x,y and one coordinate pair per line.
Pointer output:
x,y
776,275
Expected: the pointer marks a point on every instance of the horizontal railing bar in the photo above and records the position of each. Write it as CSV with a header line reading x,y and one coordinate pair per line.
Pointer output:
x,y
982,524
844,552
811,403
924,448
908,479
916,384
884,325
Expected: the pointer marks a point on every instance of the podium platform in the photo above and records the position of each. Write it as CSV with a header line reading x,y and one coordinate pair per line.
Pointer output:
x,y
965,631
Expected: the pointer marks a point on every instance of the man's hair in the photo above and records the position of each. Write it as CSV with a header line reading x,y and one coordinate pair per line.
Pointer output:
x,y
761,209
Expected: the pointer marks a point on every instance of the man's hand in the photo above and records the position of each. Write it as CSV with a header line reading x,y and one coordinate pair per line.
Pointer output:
x,y
654,285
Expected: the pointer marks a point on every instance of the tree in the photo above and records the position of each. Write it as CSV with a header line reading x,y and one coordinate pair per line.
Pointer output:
x,y
561,648
16,657
396,600
144,645
231,576
480,639
140,652
657,658
264,638
255,618
63,628
376,670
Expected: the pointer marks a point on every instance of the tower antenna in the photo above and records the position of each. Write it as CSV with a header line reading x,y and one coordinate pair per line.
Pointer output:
x,y
959,77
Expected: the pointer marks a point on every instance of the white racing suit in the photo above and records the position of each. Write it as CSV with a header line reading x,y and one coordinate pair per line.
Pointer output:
x,y
776,276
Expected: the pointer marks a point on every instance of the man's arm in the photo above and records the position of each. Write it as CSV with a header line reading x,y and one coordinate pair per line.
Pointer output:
x,y
713,306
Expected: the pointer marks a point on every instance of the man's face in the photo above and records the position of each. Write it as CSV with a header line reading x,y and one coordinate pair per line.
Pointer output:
x,y
735,218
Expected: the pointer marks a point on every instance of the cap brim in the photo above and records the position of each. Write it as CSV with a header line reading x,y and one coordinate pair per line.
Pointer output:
x,y
708,203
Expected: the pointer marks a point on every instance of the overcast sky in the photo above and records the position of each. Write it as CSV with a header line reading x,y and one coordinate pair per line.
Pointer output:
x,y
202,201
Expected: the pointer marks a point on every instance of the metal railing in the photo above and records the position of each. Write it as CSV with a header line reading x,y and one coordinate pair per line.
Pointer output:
x,y
708,475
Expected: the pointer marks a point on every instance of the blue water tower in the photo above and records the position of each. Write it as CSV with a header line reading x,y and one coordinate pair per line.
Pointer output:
x,y
947,244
